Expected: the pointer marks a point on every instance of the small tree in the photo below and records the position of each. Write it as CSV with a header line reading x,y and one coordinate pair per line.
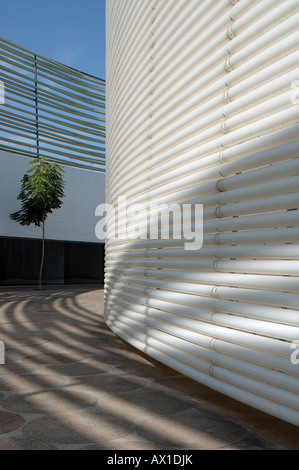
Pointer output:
x,y
41,193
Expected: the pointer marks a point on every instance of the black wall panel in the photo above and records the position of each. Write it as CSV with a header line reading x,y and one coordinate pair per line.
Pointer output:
x,y
65,262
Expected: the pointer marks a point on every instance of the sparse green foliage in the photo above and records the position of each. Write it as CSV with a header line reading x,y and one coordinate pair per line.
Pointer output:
x,y
41,192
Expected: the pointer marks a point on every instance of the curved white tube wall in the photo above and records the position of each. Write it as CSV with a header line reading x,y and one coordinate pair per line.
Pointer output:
x,y
203,107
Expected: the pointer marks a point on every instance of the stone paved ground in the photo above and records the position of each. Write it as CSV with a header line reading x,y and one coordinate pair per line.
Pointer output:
x,y
70,383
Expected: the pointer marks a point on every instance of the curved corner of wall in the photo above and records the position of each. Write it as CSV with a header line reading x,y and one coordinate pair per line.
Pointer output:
x,y
203,112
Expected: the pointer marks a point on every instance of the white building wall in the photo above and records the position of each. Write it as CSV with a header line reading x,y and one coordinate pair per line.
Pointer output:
x,y
75,221
202,107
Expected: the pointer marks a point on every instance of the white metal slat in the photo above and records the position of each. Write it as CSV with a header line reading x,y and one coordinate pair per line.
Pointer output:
x,y
50,89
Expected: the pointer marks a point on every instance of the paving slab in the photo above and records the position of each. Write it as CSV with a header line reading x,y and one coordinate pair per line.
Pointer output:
x,y
70,383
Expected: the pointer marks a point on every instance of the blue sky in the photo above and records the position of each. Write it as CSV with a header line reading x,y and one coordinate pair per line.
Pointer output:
x,y
69,31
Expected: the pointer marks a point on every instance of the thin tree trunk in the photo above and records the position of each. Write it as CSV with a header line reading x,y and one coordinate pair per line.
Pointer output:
x,y
43,257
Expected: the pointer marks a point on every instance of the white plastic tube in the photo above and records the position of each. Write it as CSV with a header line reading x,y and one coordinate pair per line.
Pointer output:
x,y
202,108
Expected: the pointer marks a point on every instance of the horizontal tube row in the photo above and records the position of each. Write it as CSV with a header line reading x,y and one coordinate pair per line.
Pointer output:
x,y
202,110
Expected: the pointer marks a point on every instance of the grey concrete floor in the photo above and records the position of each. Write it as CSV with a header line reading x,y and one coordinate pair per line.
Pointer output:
x,y
68,382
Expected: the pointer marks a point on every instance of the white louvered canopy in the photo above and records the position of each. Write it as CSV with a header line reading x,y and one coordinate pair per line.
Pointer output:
x,y
51,110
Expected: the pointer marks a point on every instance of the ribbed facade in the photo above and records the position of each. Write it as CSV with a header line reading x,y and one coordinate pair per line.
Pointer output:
x,y
203,107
